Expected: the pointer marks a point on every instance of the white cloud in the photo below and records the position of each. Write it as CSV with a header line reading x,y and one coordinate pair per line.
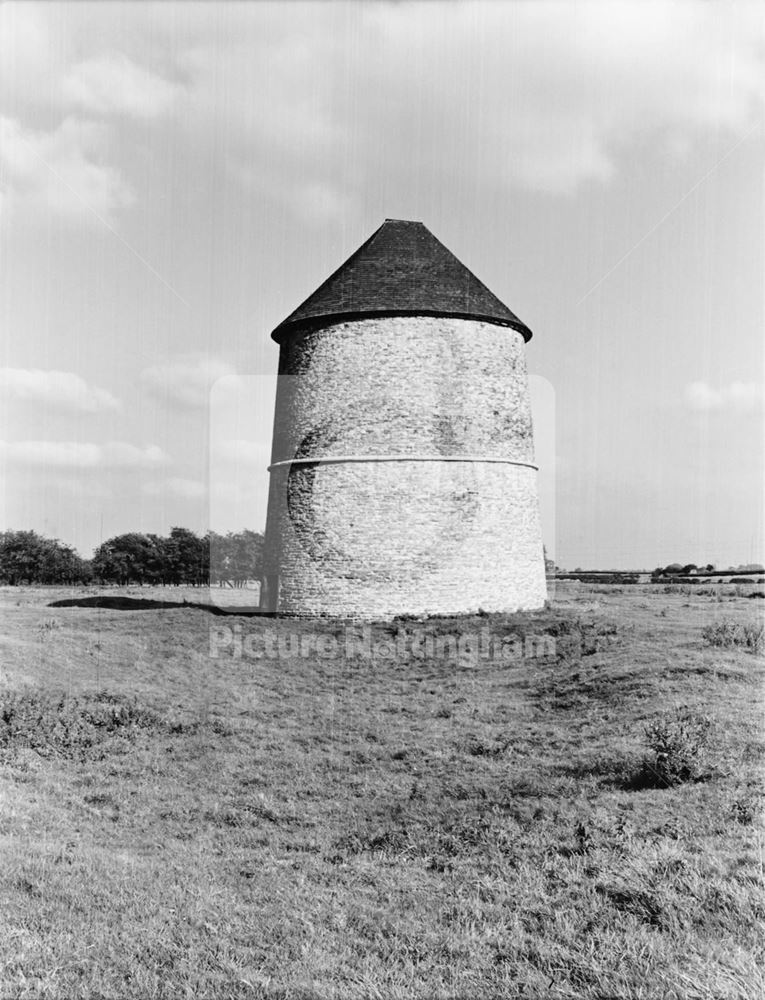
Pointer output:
x,y
55,389
313,105
112,83
177,486
564,88
42,64
82,455
120,454
545,96
186,382
737,397
61,171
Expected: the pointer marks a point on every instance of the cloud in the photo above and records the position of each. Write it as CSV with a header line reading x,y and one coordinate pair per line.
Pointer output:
x,y
113,84
64,167
543,96
60,171
82,455
61,390
42,64
186,382
317,106
562,90
736,397
177,486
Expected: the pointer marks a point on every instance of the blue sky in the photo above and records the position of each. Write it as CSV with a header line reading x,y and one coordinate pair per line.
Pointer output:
x,y
175,179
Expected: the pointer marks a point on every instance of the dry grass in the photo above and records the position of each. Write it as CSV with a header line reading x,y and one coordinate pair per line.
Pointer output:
x,y
180,826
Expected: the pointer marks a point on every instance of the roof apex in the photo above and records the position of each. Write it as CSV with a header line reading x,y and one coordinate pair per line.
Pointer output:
x,y
402,269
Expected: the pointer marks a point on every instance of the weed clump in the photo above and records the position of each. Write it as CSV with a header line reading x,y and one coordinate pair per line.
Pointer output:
x,y
729,633
746,807
681,745
70,726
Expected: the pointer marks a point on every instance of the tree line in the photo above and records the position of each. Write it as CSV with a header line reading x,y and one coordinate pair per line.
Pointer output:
x,y
677,569
691,569
182,557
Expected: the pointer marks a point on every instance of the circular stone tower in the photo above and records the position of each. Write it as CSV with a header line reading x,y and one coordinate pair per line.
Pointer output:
x,y
402,477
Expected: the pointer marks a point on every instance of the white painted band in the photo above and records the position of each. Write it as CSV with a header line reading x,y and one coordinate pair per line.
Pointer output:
x,y
400,458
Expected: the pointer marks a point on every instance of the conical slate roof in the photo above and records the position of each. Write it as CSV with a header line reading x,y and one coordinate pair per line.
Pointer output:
x,y
401,269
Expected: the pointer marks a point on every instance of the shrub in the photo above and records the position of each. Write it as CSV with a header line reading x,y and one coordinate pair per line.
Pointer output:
x,y
68,725
727,632
680,743
721,633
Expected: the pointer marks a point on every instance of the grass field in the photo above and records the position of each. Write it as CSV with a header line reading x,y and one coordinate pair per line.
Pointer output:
x,y
425,824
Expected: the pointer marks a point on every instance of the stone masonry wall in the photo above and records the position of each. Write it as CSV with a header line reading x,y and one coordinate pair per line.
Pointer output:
x,y
378,538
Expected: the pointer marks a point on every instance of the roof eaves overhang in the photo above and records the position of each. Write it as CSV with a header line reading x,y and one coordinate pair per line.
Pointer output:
x,y
305,323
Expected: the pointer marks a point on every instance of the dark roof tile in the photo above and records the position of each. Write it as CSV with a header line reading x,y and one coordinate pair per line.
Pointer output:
x,y
401,269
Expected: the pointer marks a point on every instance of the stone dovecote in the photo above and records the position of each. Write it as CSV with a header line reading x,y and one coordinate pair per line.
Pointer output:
x,y
402,476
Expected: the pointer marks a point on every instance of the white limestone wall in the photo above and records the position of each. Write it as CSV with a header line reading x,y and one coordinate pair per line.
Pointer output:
x,y
452,523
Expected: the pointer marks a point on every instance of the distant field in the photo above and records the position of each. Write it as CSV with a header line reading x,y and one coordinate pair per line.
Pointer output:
x,y
421,822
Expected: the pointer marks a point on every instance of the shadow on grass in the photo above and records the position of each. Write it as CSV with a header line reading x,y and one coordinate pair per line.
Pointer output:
x,y
116,603
630,775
